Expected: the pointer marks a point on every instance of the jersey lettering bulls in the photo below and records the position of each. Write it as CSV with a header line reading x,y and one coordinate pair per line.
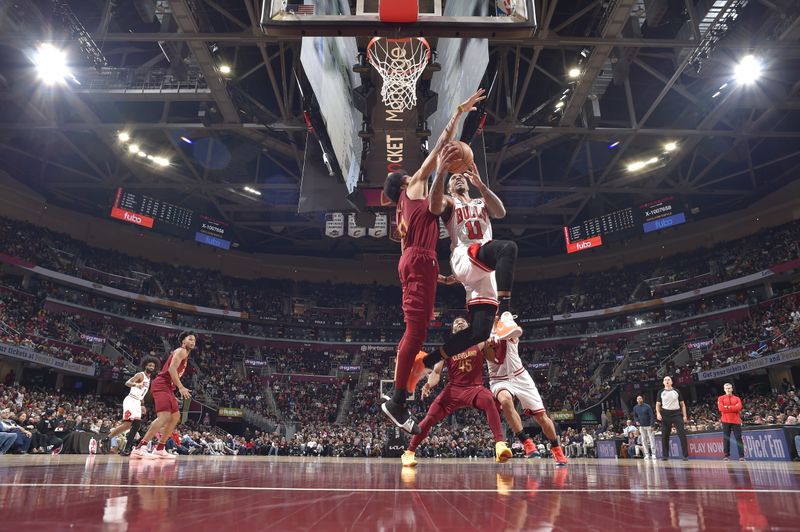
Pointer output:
x,y
468,223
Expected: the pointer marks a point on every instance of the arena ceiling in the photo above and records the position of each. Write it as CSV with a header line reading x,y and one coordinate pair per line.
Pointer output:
x,y
647,79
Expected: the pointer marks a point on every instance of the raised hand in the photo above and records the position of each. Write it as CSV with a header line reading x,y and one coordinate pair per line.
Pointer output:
x,y
469,104
447,157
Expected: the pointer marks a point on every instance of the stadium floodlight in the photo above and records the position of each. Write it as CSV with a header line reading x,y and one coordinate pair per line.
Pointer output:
x,y
124,136
559,105
142,154
161,161
670,146
639,322
225,69
252,191
574,72
187,140
636,166
51,64
748,70
133,148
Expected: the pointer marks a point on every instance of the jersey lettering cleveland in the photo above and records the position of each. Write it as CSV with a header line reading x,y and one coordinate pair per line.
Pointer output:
x,y
138,391
466,369
468,223
508,368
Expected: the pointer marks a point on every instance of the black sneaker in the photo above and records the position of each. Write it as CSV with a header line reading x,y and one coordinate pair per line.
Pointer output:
x,y
401,417
685,458
664,459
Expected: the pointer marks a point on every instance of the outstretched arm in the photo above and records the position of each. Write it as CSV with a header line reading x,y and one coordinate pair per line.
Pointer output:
x,y
437,201
494,205
447,135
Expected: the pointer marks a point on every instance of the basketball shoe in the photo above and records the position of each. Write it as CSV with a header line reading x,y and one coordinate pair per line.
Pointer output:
x,y
409,459
162,454
558,456
501,452
400,416
506,328
530,449
418,370
138,453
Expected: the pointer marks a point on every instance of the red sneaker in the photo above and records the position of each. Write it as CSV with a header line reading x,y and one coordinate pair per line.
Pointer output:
x,y
558,456
530,448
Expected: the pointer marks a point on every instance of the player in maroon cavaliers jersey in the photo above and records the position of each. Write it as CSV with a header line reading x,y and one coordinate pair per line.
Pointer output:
x,y
464,390
418,267
163,388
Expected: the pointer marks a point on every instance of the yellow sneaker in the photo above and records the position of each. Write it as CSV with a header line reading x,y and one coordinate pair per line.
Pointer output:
x,y
501,452
409,459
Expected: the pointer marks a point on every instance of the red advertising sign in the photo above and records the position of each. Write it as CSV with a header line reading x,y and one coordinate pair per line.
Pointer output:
x,y
580,245
132,217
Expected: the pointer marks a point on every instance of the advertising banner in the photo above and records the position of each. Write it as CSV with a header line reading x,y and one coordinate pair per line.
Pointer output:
x,y
606,449
769,360
230,412
562,415
23,353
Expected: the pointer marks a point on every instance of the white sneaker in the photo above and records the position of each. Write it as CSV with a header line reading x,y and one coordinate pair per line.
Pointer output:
x,y
506,328
163,454
138,453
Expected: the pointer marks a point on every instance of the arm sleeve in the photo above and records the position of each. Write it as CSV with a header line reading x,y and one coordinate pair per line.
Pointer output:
x,y
636,415
736,406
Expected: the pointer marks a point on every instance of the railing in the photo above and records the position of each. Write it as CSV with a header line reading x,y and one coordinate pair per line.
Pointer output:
x,y
138,80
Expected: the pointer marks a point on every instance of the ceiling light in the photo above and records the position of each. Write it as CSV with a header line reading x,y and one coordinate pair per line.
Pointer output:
x,y
574,72
124,136
559,105
142,154
252,191
639,322
670,146
716,94
161,161
51,64
133,148
748,70
651,160
186,140
634,166
613,145
225,69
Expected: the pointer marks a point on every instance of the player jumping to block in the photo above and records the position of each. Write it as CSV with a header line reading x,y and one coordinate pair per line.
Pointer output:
x,y
418,267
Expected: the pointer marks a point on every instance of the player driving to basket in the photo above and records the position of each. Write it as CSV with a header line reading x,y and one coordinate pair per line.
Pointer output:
x,y
418,267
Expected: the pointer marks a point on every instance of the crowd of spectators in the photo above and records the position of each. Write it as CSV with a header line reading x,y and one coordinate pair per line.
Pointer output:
x,y
269,299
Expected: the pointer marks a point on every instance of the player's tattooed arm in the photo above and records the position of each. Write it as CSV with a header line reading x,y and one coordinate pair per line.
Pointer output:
x,y
447,135
493,204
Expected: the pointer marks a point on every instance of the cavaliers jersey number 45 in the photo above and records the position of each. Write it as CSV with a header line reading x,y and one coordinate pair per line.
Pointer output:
x,y
468,223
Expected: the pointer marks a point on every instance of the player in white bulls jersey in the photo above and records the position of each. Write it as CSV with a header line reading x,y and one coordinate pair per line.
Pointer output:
x,y
484,266
132,407
508,379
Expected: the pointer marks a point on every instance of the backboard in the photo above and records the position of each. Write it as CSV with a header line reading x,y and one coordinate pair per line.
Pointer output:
x,y
513,19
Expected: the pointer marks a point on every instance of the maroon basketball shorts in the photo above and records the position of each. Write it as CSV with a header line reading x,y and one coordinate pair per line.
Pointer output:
x,y
454,398
165,400
418,270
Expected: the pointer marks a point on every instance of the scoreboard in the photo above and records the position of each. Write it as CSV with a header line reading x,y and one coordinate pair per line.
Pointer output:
x,y
646,218
164,217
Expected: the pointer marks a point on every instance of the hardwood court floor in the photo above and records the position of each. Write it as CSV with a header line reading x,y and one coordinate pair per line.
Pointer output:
x,y
319,494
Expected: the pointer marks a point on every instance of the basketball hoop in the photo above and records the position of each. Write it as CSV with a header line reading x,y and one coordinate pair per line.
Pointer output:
x,y
400,62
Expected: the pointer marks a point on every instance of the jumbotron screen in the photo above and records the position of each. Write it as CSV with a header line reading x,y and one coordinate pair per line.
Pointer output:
x,y
618,225
164,217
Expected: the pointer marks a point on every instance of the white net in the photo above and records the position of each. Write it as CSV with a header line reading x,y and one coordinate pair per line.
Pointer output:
x,y
400,63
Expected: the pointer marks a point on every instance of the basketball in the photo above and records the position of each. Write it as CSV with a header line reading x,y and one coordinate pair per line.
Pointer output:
x,y
464,161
